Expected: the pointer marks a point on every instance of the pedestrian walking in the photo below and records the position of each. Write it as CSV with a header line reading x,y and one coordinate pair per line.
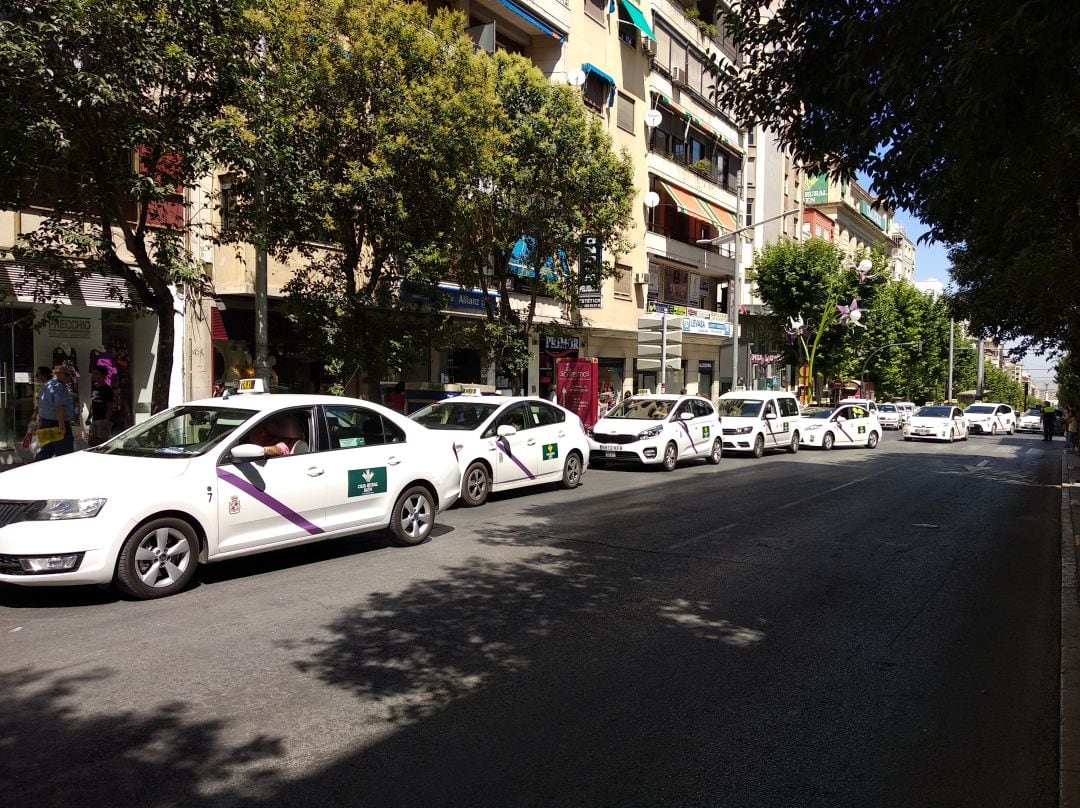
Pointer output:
x,y
56,410
1049,415
1072,429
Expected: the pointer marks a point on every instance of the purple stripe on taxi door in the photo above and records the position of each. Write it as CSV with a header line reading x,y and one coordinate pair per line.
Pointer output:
x,y
686,429
504,447
276,506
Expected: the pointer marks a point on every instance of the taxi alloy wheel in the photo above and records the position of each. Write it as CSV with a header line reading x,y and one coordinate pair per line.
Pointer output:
x,y
571,473
759,446
993,429
827,441
158,559
871,442
716,453
793,447
671,457
413,517
475,485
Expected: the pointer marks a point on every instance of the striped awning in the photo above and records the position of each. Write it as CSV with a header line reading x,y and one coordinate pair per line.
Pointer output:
x,y
690,204
30,281
217,326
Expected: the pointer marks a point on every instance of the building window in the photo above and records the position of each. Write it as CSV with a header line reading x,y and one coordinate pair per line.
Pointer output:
x,y
597,9
663,47
597,91
750,137
628,31
749,212
626,113
624,282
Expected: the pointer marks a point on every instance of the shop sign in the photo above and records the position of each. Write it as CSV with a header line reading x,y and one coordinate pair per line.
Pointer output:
x,y
70,327
704,367
766,358
577,387
708,327
816,189
561,343
589,302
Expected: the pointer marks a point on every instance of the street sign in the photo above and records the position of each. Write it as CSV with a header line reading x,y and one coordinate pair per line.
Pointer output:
x,y
660,342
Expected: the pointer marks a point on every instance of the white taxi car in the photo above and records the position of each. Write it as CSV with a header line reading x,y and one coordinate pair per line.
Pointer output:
x,y
937,422
757,420
661,428
191,485
1031,420
509,442
846,425
890,416
990,419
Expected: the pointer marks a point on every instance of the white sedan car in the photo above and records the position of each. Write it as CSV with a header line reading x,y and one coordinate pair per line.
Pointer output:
x,y
990,419
660,429
846,425
890,416
203,482
503,443
937,422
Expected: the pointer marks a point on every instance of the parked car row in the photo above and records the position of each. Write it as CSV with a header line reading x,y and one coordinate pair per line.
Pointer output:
x,y
227,477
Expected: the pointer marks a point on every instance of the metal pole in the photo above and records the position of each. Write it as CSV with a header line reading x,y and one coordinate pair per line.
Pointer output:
x,y
736,287
262,330
663,353
979,373
952,327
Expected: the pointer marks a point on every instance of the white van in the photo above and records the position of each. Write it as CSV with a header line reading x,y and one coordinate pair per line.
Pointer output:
x,y
756,420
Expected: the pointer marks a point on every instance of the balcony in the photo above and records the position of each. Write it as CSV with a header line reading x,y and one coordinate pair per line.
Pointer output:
x,y
670,244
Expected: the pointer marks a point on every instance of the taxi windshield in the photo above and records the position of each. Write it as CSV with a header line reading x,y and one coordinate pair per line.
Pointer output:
x,y
821,412
185,431
887,408
642,409
934,412
739,407
979,408
462,415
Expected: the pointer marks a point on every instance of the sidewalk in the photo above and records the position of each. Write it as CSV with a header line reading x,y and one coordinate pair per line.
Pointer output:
x,y
1069,753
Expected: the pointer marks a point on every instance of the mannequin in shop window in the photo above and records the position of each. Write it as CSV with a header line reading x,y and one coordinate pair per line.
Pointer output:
x,y
101,407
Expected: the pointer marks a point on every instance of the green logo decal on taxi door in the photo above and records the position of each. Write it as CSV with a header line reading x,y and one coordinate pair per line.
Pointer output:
x,y
705,431
551,451
367,481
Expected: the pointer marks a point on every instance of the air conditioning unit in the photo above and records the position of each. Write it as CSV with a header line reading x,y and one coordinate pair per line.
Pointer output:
x,y
641,277
678,76
648,46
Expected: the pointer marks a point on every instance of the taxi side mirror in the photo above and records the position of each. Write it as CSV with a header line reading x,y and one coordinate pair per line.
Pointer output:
x,y
247,452
505,431
770,416
686,416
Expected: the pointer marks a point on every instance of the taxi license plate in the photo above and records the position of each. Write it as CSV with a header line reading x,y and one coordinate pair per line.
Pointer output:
x,y
609,449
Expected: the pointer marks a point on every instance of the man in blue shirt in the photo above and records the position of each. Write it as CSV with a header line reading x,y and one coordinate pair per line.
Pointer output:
x,y
56,409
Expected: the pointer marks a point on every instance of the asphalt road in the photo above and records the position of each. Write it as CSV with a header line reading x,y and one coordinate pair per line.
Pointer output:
x,y
855,628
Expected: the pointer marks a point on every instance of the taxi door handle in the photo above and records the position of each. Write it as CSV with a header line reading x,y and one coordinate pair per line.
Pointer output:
x,y
315,471
392,461
562,434
531,442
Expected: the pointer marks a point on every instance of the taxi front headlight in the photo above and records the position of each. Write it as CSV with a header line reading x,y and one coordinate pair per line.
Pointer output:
x,y
744,430
651,432
55,509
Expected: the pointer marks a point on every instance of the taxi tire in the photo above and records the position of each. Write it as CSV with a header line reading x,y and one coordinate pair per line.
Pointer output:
x,y
476,476
716,454
127,573
793,447
759,447
827,441
416,499
671,457
872,440
572,469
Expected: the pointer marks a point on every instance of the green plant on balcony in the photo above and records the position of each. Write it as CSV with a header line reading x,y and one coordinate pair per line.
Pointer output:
x,y
707,29
702,167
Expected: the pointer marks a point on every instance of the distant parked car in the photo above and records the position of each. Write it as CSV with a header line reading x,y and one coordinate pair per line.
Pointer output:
x,y
846,425
990,419
1030,421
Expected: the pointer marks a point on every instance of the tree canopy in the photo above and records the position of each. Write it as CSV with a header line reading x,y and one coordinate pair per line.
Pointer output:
x,y
111,108
965,112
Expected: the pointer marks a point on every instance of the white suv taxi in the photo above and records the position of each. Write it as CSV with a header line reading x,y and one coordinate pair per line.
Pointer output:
x,y
221,478
654,429
756,420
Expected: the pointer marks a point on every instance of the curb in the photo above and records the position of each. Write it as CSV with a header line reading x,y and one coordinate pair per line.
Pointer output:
x,y
1069,726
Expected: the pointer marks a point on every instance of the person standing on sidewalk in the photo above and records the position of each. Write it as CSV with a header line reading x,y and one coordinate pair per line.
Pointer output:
x,y
1049,415
101,408
57,409
1072,429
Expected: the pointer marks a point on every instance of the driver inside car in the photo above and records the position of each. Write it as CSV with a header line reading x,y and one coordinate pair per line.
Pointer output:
x,y
280,435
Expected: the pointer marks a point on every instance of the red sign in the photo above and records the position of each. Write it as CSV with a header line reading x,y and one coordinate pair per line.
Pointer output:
x,y
576,387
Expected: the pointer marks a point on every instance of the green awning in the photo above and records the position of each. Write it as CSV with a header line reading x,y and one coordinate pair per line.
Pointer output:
x,y
638,18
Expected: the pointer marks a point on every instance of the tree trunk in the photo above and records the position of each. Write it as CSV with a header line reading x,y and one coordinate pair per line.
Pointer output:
x,y
159,391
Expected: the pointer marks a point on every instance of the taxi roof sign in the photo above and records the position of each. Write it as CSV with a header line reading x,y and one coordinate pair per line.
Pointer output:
x,y
250,386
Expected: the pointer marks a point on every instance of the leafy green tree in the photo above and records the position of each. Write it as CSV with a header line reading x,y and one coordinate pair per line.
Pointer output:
x,y
370,122
553,180
111,109
934,100
1067,374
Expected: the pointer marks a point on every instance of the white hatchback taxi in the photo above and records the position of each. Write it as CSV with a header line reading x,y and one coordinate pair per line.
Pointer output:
x,y
990,419
846,425
757,420
508,442
937,422
216,479
660,428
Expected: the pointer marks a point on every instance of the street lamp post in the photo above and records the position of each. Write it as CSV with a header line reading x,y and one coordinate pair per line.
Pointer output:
x,y
862,373
736,291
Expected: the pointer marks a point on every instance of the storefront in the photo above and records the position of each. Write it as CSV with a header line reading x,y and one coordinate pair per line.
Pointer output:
x,y
84,328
